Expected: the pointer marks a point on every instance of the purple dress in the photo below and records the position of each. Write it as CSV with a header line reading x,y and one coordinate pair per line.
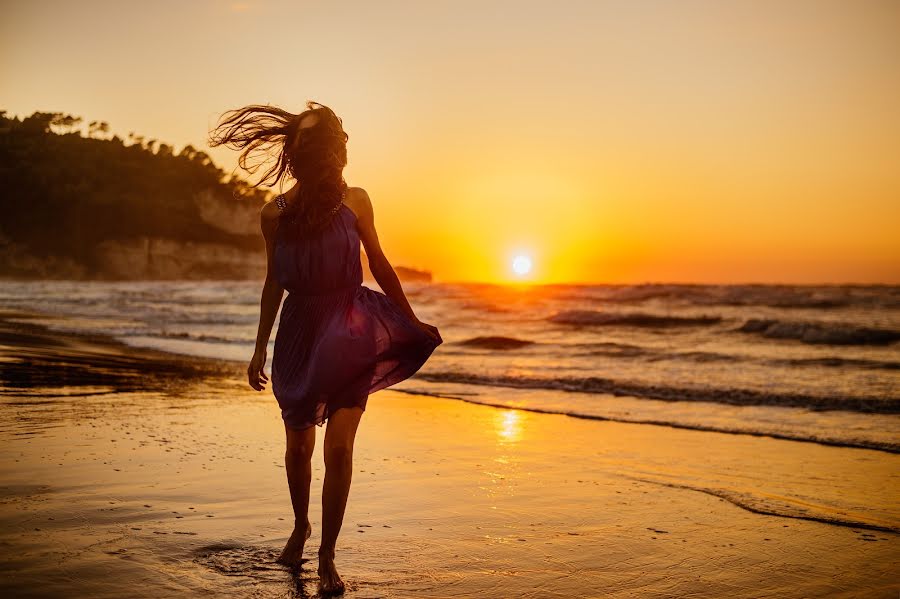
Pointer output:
x,y
337,340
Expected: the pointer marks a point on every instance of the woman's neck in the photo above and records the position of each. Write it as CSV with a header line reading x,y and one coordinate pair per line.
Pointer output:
x,y
291,194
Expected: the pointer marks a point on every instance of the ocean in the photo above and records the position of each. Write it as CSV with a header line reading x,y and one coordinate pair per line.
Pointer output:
x,y
808,363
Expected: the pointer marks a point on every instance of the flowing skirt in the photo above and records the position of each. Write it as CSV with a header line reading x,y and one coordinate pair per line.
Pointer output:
x,y
333,350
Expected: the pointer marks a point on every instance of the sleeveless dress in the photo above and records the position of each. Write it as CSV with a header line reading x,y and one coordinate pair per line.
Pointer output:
x,y
337,340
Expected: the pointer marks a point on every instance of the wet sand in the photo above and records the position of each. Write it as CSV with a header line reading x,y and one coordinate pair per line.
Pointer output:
x,y
136,473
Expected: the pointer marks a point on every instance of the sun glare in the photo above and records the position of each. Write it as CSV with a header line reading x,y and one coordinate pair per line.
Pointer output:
x,y
521,265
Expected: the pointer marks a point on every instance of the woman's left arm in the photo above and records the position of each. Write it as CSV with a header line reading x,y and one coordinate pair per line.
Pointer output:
x,y
378,263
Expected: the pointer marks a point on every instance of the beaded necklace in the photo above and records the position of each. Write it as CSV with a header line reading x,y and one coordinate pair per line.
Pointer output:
x,y
281,202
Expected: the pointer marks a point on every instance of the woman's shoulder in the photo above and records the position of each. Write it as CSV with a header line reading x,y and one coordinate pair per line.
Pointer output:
x,y
357,195
358,201
270,210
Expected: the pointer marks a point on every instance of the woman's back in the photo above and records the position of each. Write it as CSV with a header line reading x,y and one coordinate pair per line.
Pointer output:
x,y
322,263
337,341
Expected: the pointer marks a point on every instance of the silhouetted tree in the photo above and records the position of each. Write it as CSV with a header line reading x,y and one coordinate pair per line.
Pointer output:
x,y
98,128
65,122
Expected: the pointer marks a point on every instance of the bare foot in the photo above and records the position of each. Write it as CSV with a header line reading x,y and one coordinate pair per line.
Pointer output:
x,y
329,580
293,550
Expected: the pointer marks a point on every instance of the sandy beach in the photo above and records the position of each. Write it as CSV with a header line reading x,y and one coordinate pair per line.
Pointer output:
x,y
137,473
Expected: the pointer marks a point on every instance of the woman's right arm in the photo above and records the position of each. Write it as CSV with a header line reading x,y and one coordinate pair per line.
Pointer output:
x,y
272,293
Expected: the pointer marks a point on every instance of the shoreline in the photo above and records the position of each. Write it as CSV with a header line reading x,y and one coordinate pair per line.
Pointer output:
x,y
891,448
178,361
156,474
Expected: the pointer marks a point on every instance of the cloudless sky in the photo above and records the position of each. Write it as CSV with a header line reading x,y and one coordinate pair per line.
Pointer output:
x,y
609,141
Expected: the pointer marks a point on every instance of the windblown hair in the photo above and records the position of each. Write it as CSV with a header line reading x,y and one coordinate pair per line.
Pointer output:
x,y
314,154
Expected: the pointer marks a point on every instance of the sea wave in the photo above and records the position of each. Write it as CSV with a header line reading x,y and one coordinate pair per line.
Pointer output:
x,y
496,342
613,350
634,319
827,333
801,297
624,350
825,297
484,307
835,362
730,396
649,354
207,319
821,297
204,337
859,442
781,506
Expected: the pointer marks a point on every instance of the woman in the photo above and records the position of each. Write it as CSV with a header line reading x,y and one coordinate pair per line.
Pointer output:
x,y
337,340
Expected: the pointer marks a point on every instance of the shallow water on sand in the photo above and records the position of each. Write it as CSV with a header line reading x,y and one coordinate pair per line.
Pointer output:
x,y
817,363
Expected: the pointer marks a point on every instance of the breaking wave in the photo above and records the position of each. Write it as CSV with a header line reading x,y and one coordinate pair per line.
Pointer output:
x,y
634,319
730,396
828,333
496,342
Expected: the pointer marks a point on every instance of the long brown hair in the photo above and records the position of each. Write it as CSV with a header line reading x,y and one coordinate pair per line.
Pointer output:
x,y
311,147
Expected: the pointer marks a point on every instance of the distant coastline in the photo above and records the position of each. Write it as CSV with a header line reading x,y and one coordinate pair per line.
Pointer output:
x,y
153,259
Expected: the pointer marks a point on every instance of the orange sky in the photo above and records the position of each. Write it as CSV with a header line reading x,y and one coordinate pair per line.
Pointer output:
x,y
694,141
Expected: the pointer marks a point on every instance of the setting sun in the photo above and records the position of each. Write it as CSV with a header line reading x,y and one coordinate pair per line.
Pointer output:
x,y
521,265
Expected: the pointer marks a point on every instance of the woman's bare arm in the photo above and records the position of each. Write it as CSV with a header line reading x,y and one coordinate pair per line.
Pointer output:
x,y
272,294
378,263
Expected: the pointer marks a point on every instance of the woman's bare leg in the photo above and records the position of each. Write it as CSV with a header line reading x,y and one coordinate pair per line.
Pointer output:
x,y
298,464
339,437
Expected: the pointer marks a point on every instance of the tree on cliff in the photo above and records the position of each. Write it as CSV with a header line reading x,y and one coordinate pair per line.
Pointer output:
x,y
65,193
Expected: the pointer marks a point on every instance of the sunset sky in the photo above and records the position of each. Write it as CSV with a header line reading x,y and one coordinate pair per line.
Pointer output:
x,y
631,141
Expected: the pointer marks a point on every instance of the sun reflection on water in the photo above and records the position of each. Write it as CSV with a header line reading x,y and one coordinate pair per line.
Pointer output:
x,y
509,426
